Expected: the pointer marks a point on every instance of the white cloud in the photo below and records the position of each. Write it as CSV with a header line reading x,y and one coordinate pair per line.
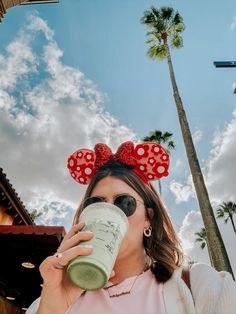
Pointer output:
x,y
221,181
234,87
220,170
197,136
45,118
37,24
193,223
20,60
221,176
182,192
233,24
176,166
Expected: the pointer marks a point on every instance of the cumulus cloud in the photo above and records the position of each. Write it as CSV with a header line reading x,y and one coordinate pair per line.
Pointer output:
x,y
220,170
234,87
193,223
182,192
221,176
197,136
233,24
48,110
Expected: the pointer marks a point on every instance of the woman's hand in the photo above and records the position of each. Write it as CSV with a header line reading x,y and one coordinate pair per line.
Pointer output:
x,y
58,292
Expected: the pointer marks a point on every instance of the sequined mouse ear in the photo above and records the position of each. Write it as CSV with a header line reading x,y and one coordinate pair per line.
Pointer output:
x,y
152,161
81,165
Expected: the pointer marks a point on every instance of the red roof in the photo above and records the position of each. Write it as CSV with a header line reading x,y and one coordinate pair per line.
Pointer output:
x,y
18,229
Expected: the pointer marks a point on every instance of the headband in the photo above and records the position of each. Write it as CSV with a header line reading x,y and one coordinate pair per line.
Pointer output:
x,y
149,161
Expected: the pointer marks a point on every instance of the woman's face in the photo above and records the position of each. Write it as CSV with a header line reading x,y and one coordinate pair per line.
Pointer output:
x,y
109,188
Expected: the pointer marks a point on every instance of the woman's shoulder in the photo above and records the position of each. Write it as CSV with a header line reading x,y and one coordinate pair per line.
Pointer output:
x,y
211,291
203,273
211,288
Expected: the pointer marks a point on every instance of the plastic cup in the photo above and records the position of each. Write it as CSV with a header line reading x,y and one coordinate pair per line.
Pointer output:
x,y
109,225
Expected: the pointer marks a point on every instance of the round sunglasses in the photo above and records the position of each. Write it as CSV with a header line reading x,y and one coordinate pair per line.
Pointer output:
x,y
125,202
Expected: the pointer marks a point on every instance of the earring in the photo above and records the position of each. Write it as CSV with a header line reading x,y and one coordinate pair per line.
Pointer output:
x,y
147,232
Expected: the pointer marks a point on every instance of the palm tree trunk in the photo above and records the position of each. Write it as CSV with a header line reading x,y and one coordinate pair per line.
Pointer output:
x,y
232,221
215,243
209,253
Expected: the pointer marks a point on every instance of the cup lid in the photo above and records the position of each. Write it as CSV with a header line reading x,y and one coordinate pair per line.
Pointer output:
x,y
107,211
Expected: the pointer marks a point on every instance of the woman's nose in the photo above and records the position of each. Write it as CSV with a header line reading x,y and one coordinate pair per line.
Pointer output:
x,y
110,200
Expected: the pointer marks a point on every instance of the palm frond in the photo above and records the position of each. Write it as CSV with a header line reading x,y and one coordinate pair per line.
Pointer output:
x,y
154,37
220,213
150,138
203,245
178,19
157,52
150,17
166,136
150,40
201,237
201,234
176,41
167,13
171,145
160,137
157,134
179,28
226,209
226,220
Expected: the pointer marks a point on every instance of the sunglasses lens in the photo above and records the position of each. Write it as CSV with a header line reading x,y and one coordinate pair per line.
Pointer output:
x,y
126,203
92,200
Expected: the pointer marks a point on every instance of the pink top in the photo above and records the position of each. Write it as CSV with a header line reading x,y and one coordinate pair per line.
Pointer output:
x,y
145,297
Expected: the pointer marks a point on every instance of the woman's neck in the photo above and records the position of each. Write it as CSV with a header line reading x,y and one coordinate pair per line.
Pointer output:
x,y
129,267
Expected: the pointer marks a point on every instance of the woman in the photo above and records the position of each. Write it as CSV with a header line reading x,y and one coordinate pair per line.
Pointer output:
x,y
147,276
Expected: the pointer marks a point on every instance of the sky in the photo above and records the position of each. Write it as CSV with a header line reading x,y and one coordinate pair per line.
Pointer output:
x,y
76,73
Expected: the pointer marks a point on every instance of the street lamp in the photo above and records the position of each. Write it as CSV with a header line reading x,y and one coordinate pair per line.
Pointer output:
x,y
225,64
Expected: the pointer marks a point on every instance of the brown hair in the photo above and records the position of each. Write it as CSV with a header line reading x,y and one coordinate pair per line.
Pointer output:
x,y
163,246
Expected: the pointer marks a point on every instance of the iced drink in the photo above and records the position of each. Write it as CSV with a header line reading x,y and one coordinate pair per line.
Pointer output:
x,y
109,225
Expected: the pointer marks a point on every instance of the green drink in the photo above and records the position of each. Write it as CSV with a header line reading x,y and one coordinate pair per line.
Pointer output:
x,y
109,225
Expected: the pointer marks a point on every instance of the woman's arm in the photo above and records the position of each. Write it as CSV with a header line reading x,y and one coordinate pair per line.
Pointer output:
x,y
58,293
213,292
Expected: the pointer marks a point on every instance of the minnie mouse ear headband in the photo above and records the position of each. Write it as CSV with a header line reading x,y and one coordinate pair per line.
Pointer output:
x,y
149,161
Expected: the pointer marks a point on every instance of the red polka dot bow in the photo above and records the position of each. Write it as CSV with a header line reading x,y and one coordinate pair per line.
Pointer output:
x,y
149,160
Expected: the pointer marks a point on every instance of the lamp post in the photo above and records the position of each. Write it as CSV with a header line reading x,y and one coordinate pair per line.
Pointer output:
x,y
225,64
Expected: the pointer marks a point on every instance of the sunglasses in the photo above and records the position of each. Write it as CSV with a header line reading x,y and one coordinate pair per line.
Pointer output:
x,y
125,202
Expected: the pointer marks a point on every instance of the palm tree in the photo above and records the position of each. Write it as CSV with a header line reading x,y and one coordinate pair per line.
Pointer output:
x,y
165,27
202,238
161,138
34,214
226,211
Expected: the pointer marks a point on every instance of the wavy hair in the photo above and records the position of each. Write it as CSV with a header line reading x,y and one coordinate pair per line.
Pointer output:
x,y
163,246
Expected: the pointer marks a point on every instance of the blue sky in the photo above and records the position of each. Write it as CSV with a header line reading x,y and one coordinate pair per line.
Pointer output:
x,y
91,54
